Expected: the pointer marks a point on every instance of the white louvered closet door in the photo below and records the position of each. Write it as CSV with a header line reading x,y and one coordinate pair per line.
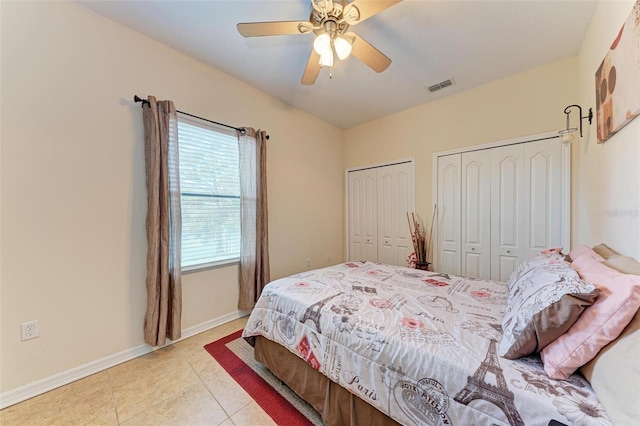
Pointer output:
x,y
476,214
449,225
395,189
363,215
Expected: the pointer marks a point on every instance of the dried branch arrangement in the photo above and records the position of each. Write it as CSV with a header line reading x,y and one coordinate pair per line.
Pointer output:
x,y
420,239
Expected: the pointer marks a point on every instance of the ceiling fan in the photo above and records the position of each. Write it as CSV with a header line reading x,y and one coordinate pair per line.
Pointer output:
x,y
329,21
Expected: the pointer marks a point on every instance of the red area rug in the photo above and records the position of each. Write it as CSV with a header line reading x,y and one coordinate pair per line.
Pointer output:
x,y
235,355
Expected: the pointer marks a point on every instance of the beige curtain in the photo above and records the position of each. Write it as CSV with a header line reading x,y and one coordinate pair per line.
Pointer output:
x,y
254,247
164,225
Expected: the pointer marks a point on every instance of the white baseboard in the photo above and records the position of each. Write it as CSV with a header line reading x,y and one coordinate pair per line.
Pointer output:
x,y
36,388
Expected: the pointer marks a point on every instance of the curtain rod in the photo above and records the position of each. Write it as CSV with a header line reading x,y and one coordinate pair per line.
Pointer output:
x,y
137,98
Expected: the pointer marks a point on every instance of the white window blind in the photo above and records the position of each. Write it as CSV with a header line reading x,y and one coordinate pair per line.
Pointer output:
x,y
210,193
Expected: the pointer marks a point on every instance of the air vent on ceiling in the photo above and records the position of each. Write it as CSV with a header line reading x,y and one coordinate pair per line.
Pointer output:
x,y
441,85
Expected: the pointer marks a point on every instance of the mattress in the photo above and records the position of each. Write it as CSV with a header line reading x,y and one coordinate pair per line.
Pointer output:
x,y
418,346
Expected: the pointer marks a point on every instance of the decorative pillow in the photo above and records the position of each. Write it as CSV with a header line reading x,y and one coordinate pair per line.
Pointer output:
x,y
545,256
624,264
546,296
584,251
604,250
614,373
599,324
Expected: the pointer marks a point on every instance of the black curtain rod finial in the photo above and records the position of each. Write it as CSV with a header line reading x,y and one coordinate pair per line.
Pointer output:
x,y
137,99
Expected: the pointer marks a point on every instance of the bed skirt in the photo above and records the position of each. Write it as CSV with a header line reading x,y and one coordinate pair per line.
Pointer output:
x,y
336,405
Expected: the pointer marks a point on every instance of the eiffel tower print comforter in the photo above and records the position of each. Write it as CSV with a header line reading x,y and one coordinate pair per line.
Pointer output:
x,y
417,345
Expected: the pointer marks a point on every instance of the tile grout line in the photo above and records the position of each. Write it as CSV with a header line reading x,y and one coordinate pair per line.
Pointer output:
x,y
113,398
207,387
181,351
168,397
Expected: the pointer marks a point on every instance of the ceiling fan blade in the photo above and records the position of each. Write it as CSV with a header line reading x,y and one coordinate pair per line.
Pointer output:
x,y
312,69
368,8
368,54
259,29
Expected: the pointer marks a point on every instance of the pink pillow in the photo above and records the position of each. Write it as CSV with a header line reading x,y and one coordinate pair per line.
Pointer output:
x,y
584,251
599,324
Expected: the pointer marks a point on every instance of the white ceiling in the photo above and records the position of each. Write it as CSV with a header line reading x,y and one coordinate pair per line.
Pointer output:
x,y
473,42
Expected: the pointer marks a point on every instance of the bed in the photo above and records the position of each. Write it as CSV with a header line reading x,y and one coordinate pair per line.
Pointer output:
x,y
367,343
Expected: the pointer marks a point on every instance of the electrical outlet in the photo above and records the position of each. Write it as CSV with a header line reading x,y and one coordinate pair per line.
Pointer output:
x,y
30,330
328,258
308,263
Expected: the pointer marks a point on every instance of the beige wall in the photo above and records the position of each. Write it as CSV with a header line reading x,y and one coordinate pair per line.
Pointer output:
x,y
524,104
606,177
72,172
73,192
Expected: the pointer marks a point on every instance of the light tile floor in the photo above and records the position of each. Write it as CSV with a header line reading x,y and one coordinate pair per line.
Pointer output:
x,y
180,384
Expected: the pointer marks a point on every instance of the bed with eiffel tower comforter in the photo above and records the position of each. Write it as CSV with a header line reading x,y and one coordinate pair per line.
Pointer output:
x,y
417,345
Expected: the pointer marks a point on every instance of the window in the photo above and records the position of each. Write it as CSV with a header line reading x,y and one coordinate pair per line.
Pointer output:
x,y
210,193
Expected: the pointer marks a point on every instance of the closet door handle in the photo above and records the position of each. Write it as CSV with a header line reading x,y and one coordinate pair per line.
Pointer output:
x,y
508,251
473,249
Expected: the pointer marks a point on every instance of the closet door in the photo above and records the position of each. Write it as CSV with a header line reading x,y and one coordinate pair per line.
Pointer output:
x,y
506,210
385,215
363,241
511,206
543,196
395,199
476,214
449,225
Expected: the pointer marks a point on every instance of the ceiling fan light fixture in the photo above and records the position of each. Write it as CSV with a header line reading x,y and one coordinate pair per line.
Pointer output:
x,y
322,44
343,48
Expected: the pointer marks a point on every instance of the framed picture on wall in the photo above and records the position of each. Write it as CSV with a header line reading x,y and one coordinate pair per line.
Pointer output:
x,y
618,79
